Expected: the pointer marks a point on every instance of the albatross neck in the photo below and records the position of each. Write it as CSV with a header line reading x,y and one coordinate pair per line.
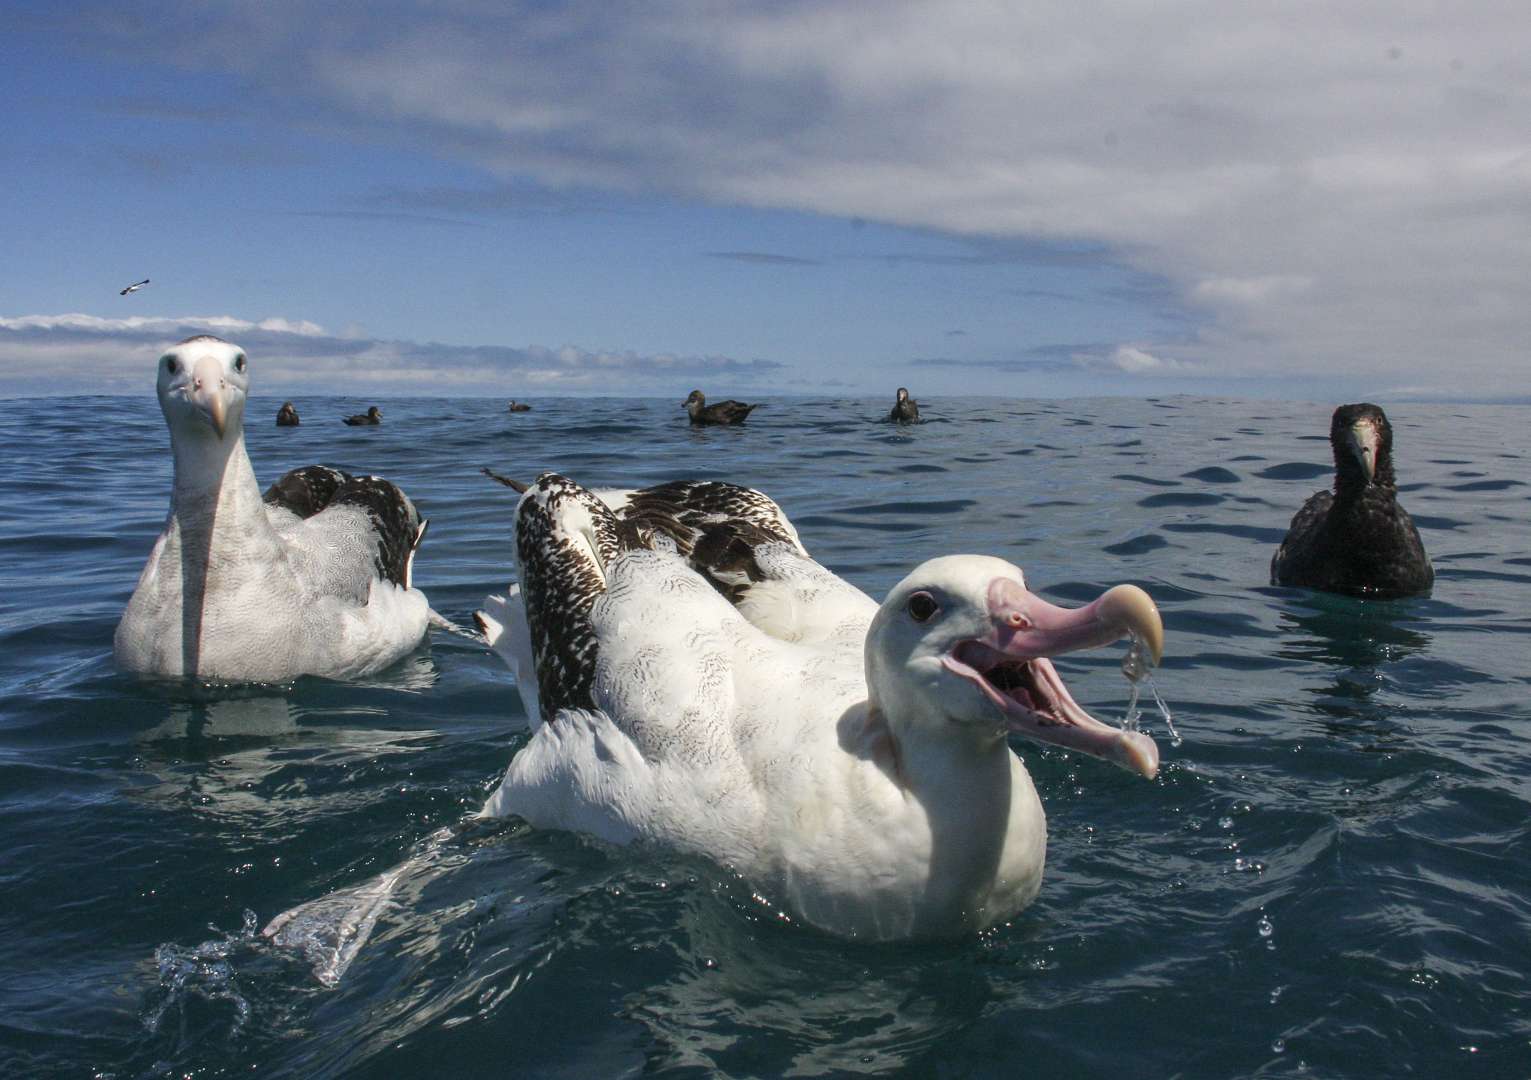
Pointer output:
x,y
215,487
941,760
984,824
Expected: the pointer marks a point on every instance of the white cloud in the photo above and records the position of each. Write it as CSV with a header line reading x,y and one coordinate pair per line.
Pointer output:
x,y
1132,360
158,325
1335,187
88,354
1255,290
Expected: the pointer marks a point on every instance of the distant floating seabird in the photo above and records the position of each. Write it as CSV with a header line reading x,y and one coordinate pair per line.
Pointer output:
x,y
905,410
518,406
1357,539
134,287
287,416
313,578
372,416
724,412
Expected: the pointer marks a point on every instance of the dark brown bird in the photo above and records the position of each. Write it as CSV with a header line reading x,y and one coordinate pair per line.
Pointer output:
x,y
724,412
373,415
518,406
1356,540
905,410
287,416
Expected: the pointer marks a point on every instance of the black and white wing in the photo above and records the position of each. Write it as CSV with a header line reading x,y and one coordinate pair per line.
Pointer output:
x,y
351,529
566,538
742,543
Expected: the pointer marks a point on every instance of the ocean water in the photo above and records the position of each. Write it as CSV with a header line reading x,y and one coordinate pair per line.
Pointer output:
x,y
1329,878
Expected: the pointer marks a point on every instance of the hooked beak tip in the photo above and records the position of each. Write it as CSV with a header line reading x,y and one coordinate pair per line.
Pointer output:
x,y
1134,611
1138,753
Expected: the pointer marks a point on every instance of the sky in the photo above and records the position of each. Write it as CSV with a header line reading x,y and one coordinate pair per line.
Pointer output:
x,y
1314,201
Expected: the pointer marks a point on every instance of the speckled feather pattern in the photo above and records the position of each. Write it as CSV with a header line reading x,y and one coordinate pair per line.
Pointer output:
x,y
314,579
717,527
565,537
737,732
355,515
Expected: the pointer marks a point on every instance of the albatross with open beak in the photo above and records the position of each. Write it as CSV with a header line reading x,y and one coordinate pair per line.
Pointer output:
x,y
850,759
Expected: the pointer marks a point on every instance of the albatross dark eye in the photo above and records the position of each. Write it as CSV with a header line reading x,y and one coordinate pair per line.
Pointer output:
x,y
172,365
922,606
239,363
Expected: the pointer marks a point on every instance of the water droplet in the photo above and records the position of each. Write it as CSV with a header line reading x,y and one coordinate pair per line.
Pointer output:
x,y
1278,1046
1225,823
1265,927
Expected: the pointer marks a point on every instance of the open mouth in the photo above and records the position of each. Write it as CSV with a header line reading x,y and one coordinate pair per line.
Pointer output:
x,y
1018,680
1034,702
1030,688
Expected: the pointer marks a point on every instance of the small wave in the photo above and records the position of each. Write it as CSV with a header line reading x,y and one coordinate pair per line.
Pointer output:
x,y
1181,498
1295,470
1139,545
935,506
1213,474
1243,532
1428,521
1487,485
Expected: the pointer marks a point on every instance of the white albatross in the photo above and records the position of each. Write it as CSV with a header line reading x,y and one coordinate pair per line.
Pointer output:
x,y
311,579
701,683
695,680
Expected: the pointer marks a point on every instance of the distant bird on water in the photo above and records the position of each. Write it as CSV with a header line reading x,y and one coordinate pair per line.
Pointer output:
x,y
518,406
134,287
1356,540
905,410
287,416
724,412
371,417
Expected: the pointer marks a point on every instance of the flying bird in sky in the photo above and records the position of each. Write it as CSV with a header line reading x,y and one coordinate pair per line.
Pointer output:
x,y
134,287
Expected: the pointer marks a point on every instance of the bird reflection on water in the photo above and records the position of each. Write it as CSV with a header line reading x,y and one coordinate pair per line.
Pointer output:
x,y
1356,642
1352,633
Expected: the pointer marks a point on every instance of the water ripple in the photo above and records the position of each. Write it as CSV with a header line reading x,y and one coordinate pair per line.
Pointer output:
x,y
1328,873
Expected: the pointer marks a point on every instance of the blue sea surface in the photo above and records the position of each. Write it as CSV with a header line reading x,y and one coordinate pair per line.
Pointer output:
x,y
1330,877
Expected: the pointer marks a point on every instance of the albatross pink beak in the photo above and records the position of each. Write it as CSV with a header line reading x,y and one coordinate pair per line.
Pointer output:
x,y
207,392
1010,665
1027,626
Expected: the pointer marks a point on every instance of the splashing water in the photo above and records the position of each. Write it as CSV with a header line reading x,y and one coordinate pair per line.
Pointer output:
x,y
1138,666
201,972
